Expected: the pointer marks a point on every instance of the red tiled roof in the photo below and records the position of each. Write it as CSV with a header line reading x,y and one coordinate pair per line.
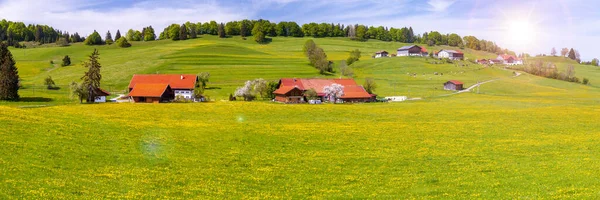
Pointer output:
x,y
423,49
351,89
355,92
175,81
148,90
455,82
284,90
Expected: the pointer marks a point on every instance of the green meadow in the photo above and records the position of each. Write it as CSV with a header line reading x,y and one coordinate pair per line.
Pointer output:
x,y
516,137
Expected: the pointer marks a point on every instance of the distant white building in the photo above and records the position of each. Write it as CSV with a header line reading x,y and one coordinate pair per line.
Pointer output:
x,y
450,54
381,54
396,98
412,50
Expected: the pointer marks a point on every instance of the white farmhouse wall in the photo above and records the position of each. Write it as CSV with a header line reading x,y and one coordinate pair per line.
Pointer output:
x,y
100,99
188,94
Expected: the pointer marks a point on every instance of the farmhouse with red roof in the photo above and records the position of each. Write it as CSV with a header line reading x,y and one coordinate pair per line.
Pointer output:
x,y
291,90
155,88
509,59
453,85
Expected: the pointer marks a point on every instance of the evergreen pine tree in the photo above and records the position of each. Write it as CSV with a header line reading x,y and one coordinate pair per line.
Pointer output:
x,y
9,76
572,55
243,29
91,79
108,36
221,30
183,32
118,35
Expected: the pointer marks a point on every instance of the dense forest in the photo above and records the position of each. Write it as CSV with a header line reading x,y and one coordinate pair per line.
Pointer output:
x,y
15,32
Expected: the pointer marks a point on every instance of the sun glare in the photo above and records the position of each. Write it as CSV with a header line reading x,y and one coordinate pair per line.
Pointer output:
x,y
521,32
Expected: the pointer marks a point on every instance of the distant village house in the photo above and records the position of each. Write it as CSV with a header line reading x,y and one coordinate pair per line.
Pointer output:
x,y
381,54
101,96
453,85
450,54
509,59
412,50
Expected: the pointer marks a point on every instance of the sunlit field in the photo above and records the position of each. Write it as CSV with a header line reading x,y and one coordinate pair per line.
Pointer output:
x,y
516,137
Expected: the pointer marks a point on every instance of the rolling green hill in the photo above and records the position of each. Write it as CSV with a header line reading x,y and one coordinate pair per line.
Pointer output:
x,y
232,61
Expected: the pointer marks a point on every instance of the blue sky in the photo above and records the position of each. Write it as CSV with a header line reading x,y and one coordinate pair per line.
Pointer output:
x,y
532,26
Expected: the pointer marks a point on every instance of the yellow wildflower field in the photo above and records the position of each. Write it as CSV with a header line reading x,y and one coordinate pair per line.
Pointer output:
x,y
467,146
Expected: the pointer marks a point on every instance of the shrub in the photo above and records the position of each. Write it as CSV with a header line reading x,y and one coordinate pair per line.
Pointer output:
x,y
49,83
181,99
62,42
123,43
586,81
109,41
66,61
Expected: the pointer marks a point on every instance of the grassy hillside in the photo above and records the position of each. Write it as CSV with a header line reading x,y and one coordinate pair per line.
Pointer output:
x,y
230,61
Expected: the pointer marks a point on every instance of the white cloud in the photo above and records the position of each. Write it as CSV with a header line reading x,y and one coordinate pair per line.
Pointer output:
x,y
439,5
74,16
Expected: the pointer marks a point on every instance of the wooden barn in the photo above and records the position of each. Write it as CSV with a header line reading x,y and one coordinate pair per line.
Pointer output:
x,y
152,93
453,85
291,90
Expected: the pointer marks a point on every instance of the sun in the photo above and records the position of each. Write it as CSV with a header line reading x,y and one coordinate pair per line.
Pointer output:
x,y
521,32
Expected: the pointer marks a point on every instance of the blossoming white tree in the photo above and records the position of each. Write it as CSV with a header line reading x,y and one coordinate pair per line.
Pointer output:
x,y
333,91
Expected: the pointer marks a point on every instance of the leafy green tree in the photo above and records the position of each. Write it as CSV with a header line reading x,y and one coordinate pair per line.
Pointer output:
x,y
93,39
271,87
137,36
9,75
311,94
370,85
354,56
123,43
63,42
91,79
49,83
258,33
149,34
454,40
203,79
361,33
66,61
77,90
130,35
595,62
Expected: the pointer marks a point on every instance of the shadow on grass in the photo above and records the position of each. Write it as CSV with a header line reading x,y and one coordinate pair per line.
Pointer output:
x,y
35,99
212,88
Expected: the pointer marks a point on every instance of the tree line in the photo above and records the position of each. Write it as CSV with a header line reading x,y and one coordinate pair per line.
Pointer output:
x,y
359,32
14,32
